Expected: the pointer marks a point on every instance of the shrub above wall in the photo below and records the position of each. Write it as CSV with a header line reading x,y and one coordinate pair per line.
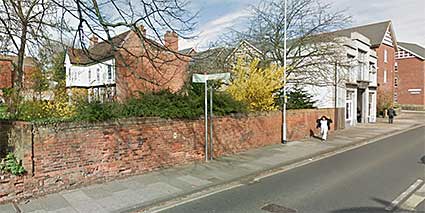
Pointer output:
x,y
161,104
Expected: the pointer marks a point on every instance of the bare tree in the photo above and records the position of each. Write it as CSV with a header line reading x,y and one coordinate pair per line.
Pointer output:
x,y
311,51
24,25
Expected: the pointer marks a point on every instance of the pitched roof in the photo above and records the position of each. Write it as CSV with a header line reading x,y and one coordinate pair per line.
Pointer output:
x,y
375,32
98,52
211,60
416,49
186,51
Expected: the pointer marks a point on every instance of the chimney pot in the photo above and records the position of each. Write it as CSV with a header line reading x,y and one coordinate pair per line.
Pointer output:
x,y
93,40
142,30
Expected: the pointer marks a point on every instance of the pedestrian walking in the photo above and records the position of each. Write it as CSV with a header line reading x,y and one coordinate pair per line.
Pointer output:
x,y
324,124
391,114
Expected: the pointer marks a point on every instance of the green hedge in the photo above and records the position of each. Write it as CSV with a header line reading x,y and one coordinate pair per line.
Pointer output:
x,y
162,104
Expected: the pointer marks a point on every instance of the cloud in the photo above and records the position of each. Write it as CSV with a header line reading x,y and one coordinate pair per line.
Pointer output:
x,y
407,16
211,30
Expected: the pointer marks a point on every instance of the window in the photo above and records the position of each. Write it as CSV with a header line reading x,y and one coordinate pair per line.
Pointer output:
x,y
396,66
98,74
395,82
385,56
349,106
109,72
385,76
89,76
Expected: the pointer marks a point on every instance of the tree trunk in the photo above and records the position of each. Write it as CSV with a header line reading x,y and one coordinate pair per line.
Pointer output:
x,y
18,72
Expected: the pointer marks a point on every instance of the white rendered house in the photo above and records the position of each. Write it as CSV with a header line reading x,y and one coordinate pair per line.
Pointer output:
x,y
98,78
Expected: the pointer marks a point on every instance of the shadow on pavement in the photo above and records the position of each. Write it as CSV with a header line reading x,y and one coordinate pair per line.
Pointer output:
x,y
364,209
312,135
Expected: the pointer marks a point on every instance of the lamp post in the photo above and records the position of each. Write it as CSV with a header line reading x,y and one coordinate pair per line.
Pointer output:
x,y
284,140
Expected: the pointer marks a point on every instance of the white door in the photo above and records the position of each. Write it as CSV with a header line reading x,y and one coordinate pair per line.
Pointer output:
x,y
349,108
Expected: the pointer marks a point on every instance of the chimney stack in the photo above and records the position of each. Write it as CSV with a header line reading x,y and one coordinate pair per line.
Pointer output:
x,y
93,40
142,30
171,41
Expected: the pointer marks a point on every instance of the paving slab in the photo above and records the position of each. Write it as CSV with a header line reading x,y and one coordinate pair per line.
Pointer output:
x,y
7,208
193,180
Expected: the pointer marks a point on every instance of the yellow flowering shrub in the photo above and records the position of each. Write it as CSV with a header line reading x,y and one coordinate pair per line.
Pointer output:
x,y
58,109
256,86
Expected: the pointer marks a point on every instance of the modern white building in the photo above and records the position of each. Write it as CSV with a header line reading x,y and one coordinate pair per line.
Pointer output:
x,y
355,82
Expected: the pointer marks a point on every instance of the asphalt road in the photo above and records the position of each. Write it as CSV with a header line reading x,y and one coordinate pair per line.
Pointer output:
x,y
366,179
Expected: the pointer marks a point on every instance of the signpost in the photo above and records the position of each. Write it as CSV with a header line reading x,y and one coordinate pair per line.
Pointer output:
x,y
204,78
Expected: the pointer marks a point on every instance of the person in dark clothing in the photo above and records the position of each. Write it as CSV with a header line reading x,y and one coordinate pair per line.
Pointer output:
x,y
324,124
359,115
391,114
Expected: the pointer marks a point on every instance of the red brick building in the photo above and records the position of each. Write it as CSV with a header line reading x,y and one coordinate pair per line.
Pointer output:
x,y
410,84
121,68
7,64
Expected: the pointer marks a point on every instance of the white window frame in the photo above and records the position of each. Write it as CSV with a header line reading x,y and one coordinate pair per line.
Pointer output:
x,y
385,56
109,71
98,75
385,77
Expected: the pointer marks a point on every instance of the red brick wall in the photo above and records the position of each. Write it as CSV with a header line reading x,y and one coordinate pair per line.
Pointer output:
x,y
148,71
386,88
5,74
411,75
29,72
70,155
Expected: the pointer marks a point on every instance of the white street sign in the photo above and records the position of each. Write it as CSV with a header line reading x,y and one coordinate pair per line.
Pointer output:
x,y
202,78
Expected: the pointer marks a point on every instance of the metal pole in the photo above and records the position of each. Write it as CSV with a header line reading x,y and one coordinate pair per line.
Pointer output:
x,y
206,118
284,78
211,124
336,119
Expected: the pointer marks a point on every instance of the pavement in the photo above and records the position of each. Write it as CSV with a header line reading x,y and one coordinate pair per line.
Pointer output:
x,y
168,186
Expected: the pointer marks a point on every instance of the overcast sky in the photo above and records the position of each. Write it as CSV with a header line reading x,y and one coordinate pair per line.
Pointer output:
x,y
408,17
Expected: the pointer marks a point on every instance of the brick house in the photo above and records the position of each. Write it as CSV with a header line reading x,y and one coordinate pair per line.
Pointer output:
x,y
410,82
7,64
103,73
